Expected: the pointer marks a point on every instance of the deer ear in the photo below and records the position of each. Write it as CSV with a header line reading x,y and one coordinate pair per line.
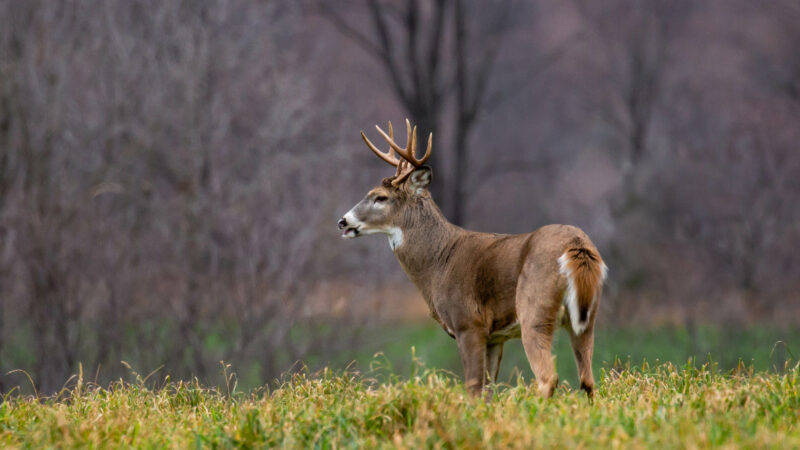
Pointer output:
x,y
420,179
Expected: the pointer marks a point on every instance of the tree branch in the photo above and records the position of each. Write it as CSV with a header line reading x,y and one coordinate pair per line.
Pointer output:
x,y
496,99
487,62
347,30
434,48
413,30
388,55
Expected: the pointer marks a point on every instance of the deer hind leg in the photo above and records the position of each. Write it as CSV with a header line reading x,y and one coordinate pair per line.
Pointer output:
x,y
494,353
583,347
537,327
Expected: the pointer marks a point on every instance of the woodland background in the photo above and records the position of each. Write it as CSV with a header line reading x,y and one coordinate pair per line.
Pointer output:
x,y
171,172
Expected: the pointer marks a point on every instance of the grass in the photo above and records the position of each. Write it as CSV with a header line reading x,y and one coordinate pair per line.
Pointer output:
x,y
762,348
746,395
665,406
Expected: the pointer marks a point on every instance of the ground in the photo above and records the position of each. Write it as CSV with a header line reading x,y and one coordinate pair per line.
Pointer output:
x,y
665,406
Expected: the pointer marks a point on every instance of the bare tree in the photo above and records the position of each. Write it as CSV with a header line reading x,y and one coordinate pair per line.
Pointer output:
x,y
153,206
733,206
438,52
636,37
726,188
777,64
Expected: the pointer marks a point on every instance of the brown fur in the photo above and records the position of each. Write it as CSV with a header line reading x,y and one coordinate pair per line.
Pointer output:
x,y
586,267
479,285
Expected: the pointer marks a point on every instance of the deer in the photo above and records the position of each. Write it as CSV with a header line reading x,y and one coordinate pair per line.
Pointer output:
x,y
485,288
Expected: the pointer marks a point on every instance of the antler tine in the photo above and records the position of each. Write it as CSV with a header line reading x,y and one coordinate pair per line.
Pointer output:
x,y
407,160
408,152
388,157
391,135
390,140
413,151
409,140
428,151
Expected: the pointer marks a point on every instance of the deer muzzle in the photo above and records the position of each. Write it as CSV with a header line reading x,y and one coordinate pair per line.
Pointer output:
x,y
349,230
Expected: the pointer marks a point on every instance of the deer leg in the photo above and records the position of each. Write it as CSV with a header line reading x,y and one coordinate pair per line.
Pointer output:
x,y
472,348
494,353
537,339
583,347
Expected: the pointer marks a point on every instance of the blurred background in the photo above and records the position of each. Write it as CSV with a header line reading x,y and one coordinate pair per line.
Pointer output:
x,y
171,174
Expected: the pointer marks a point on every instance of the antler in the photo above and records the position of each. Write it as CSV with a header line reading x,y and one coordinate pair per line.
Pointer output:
x,y
409,161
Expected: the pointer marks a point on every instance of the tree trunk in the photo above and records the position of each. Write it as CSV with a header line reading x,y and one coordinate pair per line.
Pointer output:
x,y
459,176
427,121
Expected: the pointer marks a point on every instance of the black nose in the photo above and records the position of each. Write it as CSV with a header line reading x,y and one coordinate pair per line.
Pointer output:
x,y
342,224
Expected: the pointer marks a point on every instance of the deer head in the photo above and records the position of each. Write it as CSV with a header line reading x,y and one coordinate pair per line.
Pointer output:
x,y
383,206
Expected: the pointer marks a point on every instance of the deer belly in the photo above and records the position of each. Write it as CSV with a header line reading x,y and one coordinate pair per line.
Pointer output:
x,y
510,331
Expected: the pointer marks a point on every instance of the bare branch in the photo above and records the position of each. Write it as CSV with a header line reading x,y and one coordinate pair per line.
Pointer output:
x,y
434,51
513,88
361,39
487,63
392,65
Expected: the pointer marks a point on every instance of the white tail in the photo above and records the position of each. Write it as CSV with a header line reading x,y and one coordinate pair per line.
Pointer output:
x,y
585,273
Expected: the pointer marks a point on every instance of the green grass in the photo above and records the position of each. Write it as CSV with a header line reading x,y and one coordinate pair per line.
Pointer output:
x,y
746,395
765,348
762,348
664,406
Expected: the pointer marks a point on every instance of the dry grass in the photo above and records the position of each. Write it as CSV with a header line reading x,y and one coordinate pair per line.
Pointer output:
x,y
663,407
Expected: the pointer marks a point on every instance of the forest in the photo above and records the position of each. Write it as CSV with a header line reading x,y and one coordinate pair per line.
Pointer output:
x,y
171,172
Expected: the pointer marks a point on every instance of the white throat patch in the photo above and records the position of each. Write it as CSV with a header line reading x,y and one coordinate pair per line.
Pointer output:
x,y
395,237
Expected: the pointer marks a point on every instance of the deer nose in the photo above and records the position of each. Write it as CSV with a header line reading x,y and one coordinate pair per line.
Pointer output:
x,y
342,223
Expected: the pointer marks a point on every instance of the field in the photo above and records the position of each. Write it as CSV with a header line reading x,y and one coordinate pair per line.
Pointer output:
x,y
763,348
665,406
705,388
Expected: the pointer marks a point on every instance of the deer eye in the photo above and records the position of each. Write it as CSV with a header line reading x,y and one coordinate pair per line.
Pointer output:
x,y
380,198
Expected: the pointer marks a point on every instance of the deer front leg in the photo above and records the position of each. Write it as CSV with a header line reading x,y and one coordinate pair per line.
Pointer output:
x,y
472,348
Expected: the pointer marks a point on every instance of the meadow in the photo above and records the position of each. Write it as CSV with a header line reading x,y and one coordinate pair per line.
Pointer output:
x,y
404,401
664,406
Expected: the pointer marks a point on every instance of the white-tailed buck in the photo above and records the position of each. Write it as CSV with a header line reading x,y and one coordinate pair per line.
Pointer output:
x,y
485,288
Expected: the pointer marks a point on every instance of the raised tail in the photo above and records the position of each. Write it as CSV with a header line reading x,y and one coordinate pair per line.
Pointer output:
x,y
585,272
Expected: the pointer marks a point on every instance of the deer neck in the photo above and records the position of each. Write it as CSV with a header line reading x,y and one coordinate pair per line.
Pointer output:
x,y
422,241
